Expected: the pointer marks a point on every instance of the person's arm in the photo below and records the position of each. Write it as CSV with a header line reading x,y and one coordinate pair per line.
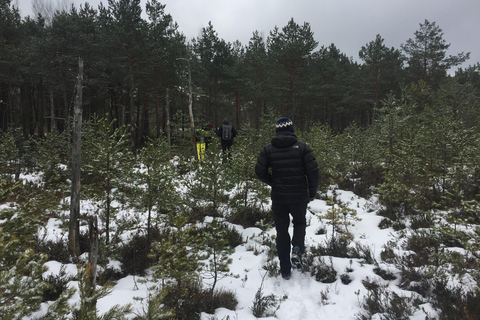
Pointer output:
x,y
311,171
261,168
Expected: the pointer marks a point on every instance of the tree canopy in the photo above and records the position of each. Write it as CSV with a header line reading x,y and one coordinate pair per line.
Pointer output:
x,y
134,70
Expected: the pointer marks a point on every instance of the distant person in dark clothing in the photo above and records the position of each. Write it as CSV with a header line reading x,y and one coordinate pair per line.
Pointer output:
x,y
226,132
294,178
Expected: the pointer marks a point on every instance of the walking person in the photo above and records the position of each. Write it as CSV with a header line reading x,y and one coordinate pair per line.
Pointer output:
x,y
294,179
203,137
226,132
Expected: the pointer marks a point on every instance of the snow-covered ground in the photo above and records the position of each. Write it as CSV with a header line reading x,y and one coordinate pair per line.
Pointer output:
x,y
301,297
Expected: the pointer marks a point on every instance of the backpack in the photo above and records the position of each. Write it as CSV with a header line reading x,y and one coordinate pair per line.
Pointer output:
x,y
227,132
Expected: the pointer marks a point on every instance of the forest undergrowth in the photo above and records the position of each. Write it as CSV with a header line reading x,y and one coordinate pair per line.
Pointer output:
x,y
419,159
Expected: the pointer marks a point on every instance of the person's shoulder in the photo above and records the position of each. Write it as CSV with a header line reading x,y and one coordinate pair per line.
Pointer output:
x,y
300,142
304,145
267,146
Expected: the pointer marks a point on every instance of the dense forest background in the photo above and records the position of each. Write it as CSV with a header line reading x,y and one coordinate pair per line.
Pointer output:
x,y
138,71
398,126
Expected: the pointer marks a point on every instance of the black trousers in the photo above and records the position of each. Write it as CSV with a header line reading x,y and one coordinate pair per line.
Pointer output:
x,y
281,214
226,144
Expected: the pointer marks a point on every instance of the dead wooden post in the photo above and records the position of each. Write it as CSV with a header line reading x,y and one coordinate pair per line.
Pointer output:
x,y
190,105
93,254
74,226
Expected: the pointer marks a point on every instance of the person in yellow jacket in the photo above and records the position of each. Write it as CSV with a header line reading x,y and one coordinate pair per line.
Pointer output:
x,y
203,138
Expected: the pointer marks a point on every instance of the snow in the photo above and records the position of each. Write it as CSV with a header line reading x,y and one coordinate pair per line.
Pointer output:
x,y
301,297
52,231
302,294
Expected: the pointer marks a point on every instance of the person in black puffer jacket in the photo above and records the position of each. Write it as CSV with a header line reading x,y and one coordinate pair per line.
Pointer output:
x,y
294,179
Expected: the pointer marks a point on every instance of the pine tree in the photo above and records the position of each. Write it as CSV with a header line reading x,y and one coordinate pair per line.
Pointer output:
x,y
9,154
256,76
53,156
106,159
326,147
21,269
339,216
21,284
382,68
426,55
248,193
470,76
124,37
291,49
334,87
361,159
165,43
403,127
154,181
427,145
156,309
177,254
87,310
217,252
214,59
207,184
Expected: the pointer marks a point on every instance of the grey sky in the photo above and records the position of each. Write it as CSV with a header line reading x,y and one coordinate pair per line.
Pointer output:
x,y
349,24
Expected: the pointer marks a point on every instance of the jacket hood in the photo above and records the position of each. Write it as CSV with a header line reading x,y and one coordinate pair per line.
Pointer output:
x,y
284,139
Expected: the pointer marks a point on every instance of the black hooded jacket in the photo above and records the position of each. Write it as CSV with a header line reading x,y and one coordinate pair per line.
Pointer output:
x,y
294,173
226,143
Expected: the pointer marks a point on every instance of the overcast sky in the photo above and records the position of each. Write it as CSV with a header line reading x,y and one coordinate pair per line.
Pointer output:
x,y
349,24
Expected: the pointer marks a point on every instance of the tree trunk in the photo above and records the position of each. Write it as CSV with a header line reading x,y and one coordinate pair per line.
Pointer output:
x,y
157,107
190,105
108,209
237,104
214,106
53,124
74,228
64,121
150,205
145,120
41,111
131,108
167,115
190,108
93,254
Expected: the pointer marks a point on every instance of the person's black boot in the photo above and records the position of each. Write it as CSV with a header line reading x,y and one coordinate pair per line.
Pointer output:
x,y
297,258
